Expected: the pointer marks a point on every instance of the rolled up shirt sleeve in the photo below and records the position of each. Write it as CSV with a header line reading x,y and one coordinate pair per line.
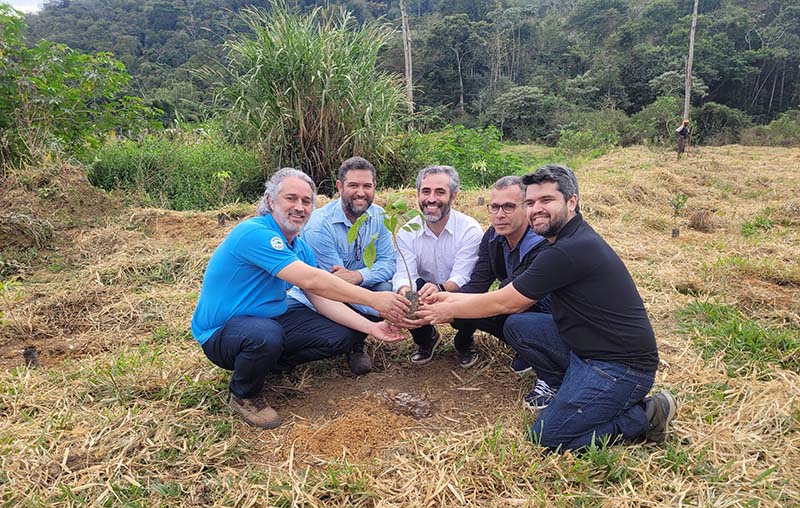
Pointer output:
x,y
466,255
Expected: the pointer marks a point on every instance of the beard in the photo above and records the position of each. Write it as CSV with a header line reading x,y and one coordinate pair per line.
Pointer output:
x,y
433,218
352,209
282,218
552,227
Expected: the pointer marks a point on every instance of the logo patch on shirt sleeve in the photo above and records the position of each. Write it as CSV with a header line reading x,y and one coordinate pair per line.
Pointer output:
x,y
276,243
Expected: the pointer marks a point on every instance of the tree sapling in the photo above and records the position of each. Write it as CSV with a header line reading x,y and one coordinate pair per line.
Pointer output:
x,y
396,216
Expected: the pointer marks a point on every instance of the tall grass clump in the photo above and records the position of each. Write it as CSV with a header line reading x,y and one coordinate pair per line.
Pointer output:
x,y
307,91
179,174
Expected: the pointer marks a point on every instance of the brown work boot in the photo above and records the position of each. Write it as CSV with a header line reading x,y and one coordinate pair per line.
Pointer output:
x,y
255,411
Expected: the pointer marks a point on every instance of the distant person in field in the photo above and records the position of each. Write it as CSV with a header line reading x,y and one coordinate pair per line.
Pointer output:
x,y
683,137
326,234
243,320
602,362
506,250
440,255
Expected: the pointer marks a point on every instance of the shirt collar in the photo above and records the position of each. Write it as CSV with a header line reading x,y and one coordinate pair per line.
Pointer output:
x,y
528,242
447,227
570,227
273,224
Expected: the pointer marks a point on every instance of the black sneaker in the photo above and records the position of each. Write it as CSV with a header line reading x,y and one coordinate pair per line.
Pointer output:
x,y
467,359
660,409
424,353
540,397
358,360
519,366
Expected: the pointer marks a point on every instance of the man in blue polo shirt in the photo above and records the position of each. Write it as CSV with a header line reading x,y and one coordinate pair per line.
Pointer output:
x,y
242,319
326,234
603,361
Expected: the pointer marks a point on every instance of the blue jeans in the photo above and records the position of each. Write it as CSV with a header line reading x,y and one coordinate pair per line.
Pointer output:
x,y
534,337
596,400
252,346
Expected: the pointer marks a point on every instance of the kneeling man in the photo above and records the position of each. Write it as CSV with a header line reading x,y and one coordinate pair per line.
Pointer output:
x,y
242,320
602,362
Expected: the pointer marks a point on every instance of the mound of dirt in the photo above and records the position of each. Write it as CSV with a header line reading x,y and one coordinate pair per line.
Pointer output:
x,y
366,427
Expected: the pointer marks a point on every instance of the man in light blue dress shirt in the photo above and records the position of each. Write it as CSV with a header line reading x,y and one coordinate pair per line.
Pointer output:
x,y
326,233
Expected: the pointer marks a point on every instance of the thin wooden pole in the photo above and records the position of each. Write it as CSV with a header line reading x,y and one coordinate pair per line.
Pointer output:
x,y
407,55
688,91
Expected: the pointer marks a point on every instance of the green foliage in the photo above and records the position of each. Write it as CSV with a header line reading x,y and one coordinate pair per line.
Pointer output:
x,y
723,331
307,91
55,99
718,124
784,131
476,154
396,216
592,133
202,173
526,113
678,201
758,224
475,59
655,124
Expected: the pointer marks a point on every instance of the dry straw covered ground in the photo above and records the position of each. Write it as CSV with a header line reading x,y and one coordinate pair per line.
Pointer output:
x,y
125,410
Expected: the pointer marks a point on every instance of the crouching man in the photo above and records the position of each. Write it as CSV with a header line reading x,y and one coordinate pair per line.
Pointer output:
x,y
242,319
602,362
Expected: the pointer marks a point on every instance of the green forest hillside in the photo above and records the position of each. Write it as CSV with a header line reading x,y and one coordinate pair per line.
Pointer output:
x,y
519,64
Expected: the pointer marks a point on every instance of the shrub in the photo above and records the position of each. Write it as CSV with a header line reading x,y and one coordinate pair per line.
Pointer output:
x,y
717,124
475,153
784,131
201,174
526,113
654,124
55,99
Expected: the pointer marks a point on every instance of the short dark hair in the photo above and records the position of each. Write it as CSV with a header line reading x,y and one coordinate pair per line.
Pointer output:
x,y
510,181
355,163
562,176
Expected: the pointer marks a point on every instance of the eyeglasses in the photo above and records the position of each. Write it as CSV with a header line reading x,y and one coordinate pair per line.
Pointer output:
x,y
507,207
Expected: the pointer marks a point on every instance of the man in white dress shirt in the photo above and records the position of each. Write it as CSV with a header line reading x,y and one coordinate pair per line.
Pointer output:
x,y
441,254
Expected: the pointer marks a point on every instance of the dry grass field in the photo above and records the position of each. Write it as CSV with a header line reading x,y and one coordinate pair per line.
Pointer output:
x,y
124,409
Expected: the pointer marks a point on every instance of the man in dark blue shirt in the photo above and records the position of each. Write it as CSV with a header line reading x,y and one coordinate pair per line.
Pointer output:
x,y
603,361
507,249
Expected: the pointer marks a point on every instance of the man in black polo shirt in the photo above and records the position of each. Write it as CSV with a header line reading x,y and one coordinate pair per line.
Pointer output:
x,y
603,360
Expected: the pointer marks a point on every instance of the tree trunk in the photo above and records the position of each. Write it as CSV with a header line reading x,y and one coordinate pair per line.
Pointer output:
x,y
407,55
460,81
688,91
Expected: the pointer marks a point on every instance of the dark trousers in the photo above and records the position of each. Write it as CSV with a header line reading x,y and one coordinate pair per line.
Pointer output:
x,y
596,400
423,336
252,346
466,328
